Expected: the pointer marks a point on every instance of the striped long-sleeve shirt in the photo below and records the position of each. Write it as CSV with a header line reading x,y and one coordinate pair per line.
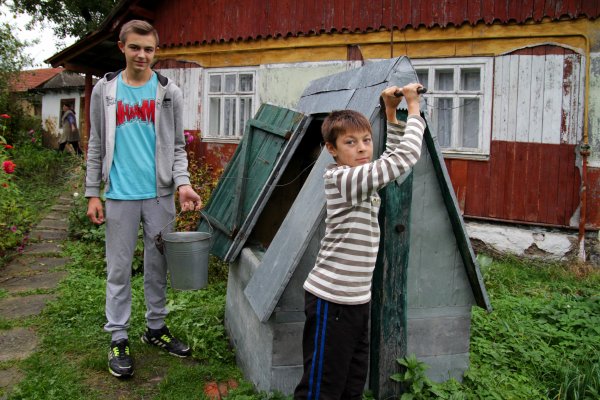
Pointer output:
x,y
344,267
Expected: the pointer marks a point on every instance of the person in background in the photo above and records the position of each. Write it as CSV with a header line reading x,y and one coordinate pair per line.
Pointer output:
x,y
70,133
136,154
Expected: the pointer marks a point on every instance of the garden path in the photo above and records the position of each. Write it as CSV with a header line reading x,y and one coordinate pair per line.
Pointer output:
x,y
30,280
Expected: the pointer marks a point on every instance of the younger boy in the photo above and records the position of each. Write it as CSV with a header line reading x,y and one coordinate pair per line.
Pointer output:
x,y
335,341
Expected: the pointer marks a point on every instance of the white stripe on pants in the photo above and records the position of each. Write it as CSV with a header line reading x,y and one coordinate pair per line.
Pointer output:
x,y
123,219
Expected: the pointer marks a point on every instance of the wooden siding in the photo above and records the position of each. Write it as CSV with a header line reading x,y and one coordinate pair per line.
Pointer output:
x,y
190,22
522,182
189,80
538,96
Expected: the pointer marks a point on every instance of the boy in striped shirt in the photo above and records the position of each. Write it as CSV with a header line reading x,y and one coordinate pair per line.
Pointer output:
x,y
335,341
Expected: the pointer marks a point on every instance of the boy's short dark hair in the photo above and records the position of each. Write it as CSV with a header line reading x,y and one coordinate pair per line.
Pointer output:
x,y
137,26
338,122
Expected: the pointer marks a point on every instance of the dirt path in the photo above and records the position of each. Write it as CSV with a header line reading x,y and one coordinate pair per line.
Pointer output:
x,y
30,280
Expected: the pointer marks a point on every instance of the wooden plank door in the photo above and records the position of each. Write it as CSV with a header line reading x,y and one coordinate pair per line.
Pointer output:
x,y
270,139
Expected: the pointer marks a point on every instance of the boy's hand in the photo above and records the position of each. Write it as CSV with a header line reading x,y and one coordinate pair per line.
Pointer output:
x,y
189,199
412,98
95,212
391,101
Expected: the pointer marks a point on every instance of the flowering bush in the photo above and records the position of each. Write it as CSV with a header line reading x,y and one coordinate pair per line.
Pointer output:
x,y
8,166
189,137
29,175
203,180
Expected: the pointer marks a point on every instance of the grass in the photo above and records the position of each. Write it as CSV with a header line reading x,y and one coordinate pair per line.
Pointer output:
x,y
542,341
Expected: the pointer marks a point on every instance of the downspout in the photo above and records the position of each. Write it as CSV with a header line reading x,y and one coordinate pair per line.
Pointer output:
x,y
88,98
584,149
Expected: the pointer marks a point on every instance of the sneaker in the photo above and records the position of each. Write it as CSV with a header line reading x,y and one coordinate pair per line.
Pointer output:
x,y
120,363
162,338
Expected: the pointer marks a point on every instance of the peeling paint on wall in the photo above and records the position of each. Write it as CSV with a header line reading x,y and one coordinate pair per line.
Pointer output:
x,y
283,84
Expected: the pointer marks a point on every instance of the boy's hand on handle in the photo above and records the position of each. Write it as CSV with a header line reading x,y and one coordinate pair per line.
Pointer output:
x,y
392,101
95,211
188,199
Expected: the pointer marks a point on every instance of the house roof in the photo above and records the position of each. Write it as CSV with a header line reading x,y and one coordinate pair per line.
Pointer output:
x,y
64,80
195,22
30,79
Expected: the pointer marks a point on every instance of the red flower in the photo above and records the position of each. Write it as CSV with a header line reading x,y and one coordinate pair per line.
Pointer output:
x,y
5,116
8,147
5,185
9,166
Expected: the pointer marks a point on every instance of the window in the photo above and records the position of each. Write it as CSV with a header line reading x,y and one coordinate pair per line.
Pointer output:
x,y
230,101
459,102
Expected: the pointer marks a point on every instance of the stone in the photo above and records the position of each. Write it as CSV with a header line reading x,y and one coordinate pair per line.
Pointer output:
x,y
43,248
10,377
28,265
17,344
45,234
24,306
60,207
25,283
56,216
56,224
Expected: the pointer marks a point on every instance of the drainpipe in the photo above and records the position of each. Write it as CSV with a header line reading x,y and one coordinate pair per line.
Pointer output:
x,y
584,151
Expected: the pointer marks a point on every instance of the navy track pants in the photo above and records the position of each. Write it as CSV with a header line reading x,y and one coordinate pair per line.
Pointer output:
x,y
335,346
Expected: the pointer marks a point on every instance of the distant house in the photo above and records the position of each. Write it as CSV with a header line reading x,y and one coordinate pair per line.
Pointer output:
x,y
63,88
26,80
512,98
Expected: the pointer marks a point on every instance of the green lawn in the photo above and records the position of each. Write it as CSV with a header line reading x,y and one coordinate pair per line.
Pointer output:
x,y
542,341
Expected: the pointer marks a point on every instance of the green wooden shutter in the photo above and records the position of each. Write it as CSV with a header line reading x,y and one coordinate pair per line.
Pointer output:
x,y
269,141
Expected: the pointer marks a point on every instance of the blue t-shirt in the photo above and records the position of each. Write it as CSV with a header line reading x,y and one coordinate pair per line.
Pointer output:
x,y
133,173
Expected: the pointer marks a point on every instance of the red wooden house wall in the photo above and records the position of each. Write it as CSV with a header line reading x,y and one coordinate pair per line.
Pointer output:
x,y
192,22
522,181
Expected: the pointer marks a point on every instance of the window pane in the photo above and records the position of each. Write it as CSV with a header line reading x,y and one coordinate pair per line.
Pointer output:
x,y
443,121
423,76
444,79
245,113
470,79
229,114
246,82
230,83
214,117
215,84
470,122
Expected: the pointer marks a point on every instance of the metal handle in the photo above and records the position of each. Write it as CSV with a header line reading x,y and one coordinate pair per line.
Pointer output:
x,y
179,213
421,90
208,222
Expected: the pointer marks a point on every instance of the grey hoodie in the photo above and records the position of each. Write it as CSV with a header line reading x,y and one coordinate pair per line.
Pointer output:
x,y
171,158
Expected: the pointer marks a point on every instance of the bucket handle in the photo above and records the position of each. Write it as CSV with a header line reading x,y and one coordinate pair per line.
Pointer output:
x,y
179,213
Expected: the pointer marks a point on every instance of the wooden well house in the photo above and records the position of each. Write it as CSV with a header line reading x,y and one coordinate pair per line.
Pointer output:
x,y
268,212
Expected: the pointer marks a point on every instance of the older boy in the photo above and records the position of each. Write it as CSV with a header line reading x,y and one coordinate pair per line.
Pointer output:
x,y
338,289
137,151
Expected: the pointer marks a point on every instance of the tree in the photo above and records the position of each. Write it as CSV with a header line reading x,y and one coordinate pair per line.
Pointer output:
x,y
70,17
12,60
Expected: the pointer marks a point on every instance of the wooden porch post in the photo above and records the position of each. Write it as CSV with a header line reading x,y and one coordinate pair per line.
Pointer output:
x,y
88,98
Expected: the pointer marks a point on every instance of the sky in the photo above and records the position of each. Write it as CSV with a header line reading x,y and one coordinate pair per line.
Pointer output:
x,y
48,44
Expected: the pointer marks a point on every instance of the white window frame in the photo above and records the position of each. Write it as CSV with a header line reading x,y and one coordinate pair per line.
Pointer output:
x,y
207,135
484,94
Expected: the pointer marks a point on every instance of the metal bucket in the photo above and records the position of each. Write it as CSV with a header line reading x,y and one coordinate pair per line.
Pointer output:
x,y
187,258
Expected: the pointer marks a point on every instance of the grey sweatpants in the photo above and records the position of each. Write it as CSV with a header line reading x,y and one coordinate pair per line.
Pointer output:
x,y
123,219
